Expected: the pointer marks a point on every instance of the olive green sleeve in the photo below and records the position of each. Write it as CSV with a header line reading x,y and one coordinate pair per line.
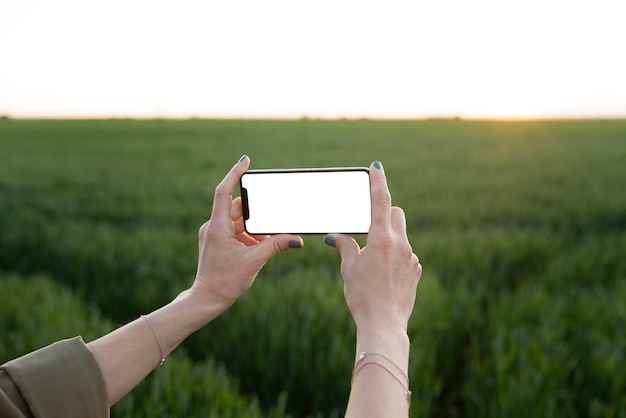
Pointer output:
x,y
61,380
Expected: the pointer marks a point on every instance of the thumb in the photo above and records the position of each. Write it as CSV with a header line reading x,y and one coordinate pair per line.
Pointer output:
x,y
345,244
276,244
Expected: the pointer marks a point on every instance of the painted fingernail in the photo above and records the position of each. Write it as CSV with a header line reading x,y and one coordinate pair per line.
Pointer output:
x,y
330,241
378,165
243,157
295,244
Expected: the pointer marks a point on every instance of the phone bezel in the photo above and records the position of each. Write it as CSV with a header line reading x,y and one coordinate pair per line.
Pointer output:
x,y
244,201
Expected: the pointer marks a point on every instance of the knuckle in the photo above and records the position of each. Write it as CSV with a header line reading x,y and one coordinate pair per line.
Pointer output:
x,y
203,229
220,190
276,248
384,241
382,196
398,210
405,249
379,223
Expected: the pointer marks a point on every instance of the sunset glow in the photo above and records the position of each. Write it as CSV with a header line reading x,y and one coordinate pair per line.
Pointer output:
x,y
319,59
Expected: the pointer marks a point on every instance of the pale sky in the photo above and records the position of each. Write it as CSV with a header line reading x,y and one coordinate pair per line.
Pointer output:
x,y
484,58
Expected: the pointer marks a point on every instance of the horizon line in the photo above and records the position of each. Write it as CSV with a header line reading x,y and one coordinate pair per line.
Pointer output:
x,y
7,117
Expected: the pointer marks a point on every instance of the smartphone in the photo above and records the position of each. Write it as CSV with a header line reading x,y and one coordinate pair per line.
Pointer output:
x,y
306,201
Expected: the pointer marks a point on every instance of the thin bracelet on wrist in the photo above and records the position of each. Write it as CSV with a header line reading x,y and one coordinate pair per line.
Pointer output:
x,y
365,354
156,337
365,358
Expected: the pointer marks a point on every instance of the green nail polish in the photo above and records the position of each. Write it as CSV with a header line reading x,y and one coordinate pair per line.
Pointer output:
x,y
330,241
295,244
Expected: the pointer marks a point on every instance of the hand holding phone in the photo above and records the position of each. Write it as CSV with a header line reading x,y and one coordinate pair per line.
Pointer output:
x,y
306,201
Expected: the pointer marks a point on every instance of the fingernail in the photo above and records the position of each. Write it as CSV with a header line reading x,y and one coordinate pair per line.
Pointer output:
x,y
243,157
330,241
378,165
295,244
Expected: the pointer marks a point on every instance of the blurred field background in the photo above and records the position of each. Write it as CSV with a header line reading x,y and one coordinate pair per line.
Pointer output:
x,y
520,226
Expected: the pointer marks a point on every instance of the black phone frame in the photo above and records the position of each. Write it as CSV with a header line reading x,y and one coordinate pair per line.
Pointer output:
x,y
244,200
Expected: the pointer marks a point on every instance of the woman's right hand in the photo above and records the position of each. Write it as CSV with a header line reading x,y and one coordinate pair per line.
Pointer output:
x,y
381,279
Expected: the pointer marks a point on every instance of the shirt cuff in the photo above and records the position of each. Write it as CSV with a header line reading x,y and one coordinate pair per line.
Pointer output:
x,y
61,380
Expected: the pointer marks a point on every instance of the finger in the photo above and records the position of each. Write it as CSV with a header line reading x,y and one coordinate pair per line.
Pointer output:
x,y
398,221
202,232
236,209
238,223
381,199
346,245
260,237
240,228
246,239
276,244
222,203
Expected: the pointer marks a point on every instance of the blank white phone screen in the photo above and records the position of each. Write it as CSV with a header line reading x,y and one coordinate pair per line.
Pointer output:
x,y
307,202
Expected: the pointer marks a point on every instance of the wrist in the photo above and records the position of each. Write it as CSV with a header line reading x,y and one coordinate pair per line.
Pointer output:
x,y
392,341
396,337
382,327
195,310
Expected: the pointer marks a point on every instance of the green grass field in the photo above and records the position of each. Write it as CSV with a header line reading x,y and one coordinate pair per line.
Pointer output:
x,y
520,227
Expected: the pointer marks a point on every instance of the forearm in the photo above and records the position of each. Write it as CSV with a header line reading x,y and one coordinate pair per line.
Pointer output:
x,y
128,354
228,263
379,390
